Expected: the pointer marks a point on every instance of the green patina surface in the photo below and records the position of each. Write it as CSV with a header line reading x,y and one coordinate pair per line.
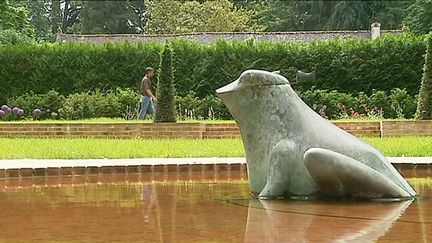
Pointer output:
x,y
292,151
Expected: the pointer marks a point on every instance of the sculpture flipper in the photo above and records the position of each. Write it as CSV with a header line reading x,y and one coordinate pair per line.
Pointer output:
x,y
284,157
341,176
275,185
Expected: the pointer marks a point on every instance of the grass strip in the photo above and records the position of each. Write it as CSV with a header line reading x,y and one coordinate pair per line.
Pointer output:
x,y
96,148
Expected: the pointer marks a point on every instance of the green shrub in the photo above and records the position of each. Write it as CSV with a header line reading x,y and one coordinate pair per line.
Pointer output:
x,y
128,100
402,103
337,105
87,105
330,104
12,37
213,108
125,103
424,109
379,99
113,103
350,66
28,102
48,103
165,111
189,107
75,107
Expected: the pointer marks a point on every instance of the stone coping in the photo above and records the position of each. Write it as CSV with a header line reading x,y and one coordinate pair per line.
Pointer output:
x,y
68,163
209,37
59,163
228,33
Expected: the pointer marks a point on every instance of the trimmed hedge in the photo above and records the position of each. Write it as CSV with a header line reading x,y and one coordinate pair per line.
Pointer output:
x,y
349,65
73,68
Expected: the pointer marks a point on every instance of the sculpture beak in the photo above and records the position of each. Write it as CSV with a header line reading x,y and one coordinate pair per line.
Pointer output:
x,y
233,86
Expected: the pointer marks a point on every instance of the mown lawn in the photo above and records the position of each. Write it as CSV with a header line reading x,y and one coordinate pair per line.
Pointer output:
x,y
92,148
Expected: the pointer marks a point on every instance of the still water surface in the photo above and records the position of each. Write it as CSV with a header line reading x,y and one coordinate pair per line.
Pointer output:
x,y
197,207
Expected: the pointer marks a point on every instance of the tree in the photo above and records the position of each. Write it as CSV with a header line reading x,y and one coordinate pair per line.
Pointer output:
x,y
48,17
140,10
165,109
168,17
419,18
14,17
164,17
329,15
424,108
39,18
350,15
391,13
69,15
55,16
287,16
110,17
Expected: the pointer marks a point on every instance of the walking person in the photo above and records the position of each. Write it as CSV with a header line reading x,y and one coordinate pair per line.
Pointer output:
x,y
147,105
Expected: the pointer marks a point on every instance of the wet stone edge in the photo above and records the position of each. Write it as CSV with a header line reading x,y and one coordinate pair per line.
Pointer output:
x,y
118,170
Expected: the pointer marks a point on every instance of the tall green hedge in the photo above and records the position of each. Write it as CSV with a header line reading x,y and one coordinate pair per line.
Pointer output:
x,y
350,65
165,110
73,68
424,108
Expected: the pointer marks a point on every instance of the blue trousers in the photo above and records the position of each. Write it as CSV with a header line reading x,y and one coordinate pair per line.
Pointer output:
x,y
147,106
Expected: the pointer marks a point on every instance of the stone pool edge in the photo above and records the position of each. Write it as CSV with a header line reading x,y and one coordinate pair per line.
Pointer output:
x,y
16,168
47,163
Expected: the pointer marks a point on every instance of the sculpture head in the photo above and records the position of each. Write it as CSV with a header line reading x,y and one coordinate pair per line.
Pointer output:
x,y
252,93
251,79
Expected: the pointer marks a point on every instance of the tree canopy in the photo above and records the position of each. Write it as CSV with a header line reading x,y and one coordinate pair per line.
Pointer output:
x,y
48,17
108,17
331,15
14,17
419,18
167,17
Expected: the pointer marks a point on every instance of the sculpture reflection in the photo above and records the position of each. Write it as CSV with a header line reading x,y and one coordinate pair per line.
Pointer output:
x,y
300,221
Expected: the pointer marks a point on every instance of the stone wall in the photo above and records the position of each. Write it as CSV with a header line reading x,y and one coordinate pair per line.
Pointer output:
x,y
361,129
222,130
151,130
406,128
194,130
120,130
211,37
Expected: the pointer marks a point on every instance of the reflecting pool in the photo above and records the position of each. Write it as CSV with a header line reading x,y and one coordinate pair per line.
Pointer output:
x,y
195,206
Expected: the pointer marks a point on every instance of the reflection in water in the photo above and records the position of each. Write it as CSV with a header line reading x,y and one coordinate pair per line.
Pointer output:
x,y
318,221
196,207
148,199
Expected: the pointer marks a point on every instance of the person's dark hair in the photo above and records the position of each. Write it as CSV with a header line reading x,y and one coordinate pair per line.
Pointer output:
x,y
149,69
